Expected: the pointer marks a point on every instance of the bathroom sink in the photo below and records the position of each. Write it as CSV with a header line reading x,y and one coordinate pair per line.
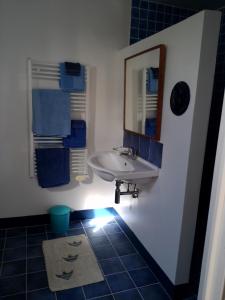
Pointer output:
x,y
110,165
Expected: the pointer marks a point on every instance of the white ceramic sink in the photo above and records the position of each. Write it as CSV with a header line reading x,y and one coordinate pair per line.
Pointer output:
x,y
110,165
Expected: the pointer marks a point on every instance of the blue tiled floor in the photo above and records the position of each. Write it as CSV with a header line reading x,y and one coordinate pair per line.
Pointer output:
x,y
127,276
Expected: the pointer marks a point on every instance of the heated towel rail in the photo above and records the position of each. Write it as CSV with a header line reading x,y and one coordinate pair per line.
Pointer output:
x,y
46,75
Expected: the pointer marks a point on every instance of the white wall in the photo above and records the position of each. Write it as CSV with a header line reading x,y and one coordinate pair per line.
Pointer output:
x,y
56,30
164,216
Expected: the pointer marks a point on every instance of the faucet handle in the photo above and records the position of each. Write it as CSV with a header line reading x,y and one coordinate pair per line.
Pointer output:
x,y
122,150
134,152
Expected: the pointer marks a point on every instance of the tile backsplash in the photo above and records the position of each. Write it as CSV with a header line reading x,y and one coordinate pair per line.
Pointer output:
x,y
146,148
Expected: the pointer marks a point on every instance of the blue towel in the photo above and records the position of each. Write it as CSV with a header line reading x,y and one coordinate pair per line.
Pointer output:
x,y
77,139
71,83
52,167
152,80
51,113
72,68
150,127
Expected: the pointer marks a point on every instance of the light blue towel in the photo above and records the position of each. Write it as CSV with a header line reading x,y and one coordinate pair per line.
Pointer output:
x,y
51,113
71,83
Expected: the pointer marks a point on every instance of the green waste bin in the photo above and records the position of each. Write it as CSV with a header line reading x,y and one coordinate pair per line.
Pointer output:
x,y
60,218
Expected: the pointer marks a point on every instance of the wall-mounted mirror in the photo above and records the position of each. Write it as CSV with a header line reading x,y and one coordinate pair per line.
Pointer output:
x,y
143,92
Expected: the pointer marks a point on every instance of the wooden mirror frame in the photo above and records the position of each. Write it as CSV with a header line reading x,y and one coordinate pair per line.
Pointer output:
x,y
162,62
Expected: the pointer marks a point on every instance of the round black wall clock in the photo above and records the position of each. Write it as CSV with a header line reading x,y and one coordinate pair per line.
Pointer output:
x,y
180,98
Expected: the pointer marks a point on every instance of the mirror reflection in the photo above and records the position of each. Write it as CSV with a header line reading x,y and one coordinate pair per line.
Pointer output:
x,y
144,74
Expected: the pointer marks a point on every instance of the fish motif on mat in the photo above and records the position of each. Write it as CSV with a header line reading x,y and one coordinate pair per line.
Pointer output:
x,y
75,244
65,275
71,258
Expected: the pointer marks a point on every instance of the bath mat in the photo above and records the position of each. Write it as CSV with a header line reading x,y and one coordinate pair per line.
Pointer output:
x,y
70,262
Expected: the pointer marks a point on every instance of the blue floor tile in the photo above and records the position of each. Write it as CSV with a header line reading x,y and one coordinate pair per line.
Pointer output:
x,y
52,236
35,264
88,223
14,268
34,251
36,229
119,282
15,242
92,222
36,281
118,238
96,290
143,277
128,295
124,248
110,266
191,298
93,231
14,254
1,243
75,231
75,293
99,240
16,297
109,297
75,224
2,233
154,292
13,232
36,239
112,228
43,294
133,261
104,252
12,285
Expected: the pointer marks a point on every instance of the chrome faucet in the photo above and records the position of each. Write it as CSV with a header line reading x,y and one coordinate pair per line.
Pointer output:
x,y
129,151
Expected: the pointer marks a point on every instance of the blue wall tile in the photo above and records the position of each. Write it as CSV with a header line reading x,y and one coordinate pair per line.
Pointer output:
x,y
151,17
155,155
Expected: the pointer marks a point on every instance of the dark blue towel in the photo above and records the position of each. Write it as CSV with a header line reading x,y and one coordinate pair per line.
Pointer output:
x,y
51,113
150,127
72,68
77,139
152,80
52,166
70,83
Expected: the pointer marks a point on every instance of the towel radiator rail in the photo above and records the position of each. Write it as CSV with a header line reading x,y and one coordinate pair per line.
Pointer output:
x,y
47,75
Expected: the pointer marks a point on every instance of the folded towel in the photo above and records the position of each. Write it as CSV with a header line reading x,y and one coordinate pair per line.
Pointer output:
x,y
72,83
152,80
51,113
77,138
150,126
72,68
155,73
52,167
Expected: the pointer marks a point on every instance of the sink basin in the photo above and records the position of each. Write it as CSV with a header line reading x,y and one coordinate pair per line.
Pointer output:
x,y
110,165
